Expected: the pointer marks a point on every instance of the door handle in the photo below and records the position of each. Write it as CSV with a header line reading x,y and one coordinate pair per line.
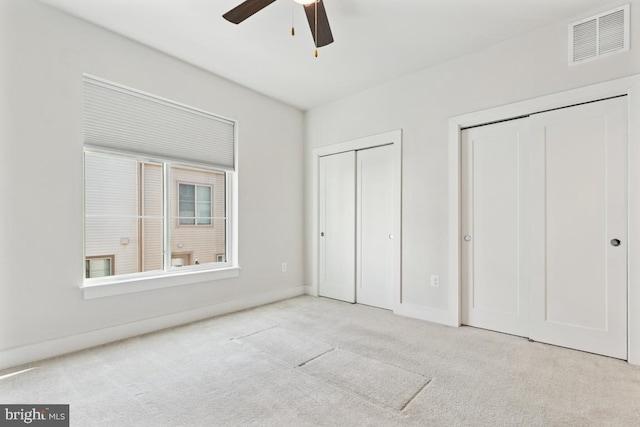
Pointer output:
x,y
322,234
467,238
615,242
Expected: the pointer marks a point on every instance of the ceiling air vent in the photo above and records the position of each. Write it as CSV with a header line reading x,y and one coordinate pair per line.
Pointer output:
x,y
599,35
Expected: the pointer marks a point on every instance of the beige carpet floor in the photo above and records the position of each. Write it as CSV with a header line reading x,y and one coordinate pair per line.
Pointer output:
x,y
313,361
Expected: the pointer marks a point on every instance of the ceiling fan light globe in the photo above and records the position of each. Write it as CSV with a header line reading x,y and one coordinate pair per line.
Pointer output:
x,y
305,2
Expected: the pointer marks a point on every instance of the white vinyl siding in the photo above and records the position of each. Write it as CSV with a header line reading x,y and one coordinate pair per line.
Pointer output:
x,y
111,210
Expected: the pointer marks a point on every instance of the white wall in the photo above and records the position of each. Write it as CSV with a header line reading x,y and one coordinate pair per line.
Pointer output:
x,y
421,105
43,54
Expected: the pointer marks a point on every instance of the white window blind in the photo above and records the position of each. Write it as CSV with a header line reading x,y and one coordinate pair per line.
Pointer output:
x,y
116,117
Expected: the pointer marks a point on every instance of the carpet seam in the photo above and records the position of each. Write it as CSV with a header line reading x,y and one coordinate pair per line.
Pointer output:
x,y
316,357
364,397
359,396
415,395
253,333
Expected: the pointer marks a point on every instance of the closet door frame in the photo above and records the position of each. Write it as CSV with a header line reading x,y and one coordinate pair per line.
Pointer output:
x,y
629,86
393,138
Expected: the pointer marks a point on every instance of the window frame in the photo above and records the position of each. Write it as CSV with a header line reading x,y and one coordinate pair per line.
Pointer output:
x,y
195,204
170,276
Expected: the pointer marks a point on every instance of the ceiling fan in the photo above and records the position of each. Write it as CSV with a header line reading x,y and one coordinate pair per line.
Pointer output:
x,y
314,9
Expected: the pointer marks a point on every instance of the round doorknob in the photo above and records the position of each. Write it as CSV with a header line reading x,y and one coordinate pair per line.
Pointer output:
x,y
390,236
615,242
322,234
467,238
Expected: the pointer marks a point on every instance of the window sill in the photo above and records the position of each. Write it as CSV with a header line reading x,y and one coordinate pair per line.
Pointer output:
x,y
100,289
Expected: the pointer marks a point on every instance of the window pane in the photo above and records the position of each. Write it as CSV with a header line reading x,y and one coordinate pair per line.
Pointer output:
x,y
203,205
204,193
204,213
206,239
111,185
187,213
99,267
187,207
124,216
187,193
123,208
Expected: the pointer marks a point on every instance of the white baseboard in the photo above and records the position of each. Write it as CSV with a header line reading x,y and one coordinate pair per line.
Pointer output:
x,y
56,347
429,314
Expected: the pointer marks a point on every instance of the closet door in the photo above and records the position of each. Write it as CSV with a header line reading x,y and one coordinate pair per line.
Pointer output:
x,y
494,170
337,263
374,276
578,293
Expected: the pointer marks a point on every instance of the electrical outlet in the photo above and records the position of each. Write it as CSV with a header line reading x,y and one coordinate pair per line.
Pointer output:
x,y
284,267
435,281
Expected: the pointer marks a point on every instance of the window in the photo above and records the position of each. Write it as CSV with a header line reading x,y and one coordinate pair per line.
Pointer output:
x,y
159,177
194,204
99,266
137,208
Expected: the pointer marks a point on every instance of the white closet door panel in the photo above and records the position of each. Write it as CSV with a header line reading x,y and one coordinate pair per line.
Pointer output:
x,y
578,298
374,279
494,293
337,226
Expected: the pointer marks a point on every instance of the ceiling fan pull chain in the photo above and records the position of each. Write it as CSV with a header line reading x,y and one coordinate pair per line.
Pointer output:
x,y
315,35
314,11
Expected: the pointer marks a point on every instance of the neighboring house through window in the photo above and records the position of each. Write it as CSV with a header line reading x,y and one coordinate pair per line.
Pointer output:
x,y
125,212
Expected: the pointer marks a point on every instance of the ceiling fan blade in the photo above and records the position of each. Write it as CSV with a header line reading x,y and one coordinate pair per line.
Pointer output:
x,y
324,36
245,10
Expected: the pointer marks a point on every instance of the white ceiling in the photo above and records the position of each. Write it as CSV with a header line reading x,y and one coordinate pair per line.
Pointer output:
x,y
375,40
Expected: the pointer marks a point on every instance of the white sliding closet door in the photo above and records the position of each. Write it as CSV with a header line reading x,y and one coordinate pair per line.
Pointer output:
x,y
579,289
337,263
545,229
493,275
374,276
